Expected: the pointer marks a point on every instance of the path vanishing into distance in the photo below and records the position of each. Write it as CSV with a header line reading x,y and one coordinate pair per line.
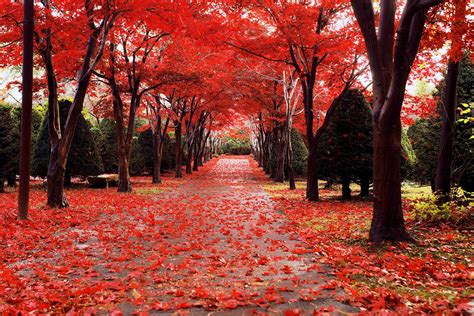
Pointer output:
x,y
213,244
232,252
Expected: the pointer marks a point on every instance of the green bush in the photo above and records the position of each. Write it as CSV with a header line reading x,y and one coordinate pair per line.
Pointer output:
x,y
234,146
300,153
106,136
424,139
84,158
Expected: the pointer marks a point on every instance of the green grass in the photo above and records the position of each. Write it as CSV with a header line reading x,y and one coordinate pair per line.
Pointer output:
x,y
413,191
149,191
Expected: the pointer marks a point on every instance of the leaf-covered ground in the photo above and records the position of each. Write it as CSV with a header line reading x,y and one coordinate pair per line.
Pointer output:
x,y
435,275
211,241
224,240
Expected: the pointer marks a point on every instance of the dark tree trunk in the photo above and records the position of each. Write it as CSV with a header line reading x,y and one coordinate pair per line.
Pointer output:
x,y
124,184
364,185
312,190
55,178
11,181
2,185
67,180
266,153
390,59
328,184
179,150
60,146
346,187
448,126
387,221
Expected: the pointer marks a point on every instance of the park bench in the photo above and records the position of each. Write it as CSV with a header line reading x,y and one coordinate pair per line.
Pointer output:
x,y
103,181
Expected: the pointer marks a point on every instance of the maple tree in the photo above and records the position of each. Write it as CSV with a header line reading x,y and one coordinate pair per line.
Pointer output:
x,y
134,51
309,40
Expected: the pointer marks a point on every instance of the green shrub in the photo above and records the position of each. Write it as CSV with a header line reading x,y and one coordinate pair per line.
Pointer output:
x,y
300,153
457,213
235,146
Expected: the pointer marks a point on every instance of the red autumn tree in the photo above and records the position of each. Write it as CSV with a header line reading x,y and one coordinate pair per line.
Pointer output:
x,y
316,40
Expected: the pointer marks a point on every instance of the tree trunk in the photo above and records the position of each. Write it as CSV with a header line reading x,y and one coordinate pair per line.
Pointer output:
x,y
60,146
387,220
346,187
281,153
55,178
124,184
179,151
312,190
67,180
157,157
2,185
289,161
189,158
197,155
11,181
364,185
448,126
267,153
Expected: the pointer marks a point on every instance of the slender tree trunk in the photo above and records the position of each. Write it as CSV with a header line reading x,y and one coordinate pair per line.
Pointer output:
x,y
448,126
291,173
197,154
281,153
189,158
346,187
179,151
157,157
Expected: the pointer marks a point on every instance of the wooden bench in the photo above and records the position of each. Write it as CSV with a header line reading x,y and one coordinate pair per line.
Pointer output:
x,y
103,181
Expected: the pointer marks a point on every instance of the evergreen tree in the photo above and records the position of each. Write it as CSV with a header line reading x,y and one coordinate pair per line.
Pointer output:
x,y
424,138
106,135
346,147
8,144
84,158
145,144
300,153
